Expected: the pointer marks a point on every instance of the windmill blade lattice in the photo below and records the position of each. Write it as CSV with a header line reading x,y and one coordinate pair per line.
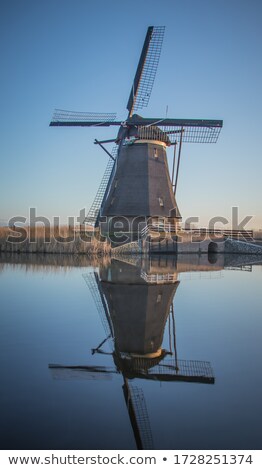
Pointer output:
x,y
202,134
92,281
94,210
146,70
61,115
141,423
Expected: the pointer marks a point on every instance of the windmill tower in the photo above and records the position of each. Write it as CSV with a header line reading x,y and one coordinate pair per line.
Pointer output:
x,y
137,186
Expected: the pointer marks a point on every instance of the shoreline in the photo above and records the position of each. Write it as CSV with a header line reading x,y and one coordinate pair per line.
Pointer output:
x,y
65,241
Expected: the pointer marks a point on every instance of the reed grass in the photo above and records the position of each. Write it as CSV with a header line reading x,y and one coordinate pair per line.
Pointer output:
x,y
50,240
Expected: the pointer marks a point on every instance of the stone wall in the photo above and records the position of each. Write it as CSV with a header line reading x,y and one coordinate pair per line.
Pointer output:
x,y
189,243
235,246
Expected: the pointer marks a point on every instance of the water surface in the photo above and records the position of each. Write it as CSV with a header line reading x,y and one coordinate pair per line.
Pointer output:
x,y
169,348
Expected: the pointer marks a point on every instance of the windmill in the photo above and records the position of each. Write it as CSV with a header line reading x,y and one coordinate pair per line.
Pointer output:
x,y
136,186
134,308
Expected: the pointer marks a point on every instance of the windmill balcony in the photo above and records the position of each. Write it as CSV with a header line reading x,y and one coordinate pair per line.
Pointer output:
x,y
157,229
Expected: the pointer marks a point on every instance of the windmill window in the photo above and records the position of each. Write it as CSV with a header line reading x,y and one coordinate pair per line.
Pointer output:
x,y
159,298
161,202
116,183
112,201
155,153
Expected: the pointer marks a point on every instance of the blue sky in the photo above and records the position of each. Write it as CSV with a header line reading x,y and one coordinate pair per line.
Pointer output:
x,y
82,55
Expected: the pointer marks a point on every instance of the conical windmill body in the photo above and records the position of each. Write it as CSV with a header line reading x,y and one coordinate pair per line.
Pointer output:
x,y
137,186
141,187
138,309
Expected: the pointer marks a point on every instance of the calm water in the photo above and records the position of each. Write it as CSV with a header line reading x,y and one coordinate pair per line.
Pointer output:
x,y
142,386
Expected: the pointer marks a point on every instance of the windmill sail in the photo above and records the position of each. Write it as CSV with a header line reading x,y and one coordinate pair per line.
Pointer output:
x,y
146,69
62,117
93,213
137,410
93,284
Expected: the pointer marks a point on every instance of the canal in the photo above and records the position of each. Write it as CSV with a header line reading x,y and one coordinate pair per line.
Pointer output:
x,y
125,353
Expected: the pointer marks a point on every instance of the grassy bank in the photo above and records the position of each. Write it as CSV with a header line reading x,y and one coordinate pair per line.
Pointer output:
x,y
50,240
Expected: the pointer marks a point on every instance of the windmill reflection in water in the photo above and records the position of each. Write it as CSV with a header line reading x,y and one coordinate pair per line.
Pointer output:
x,y
135,304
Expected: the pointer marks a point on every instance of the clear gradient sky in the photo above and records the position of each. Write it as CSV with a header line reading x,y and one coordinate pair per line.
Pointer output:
x,y
82,55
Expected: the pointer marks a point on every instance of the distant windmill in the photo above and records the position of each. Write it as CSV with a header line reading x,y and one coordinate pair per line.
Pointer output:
x,y
136,185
